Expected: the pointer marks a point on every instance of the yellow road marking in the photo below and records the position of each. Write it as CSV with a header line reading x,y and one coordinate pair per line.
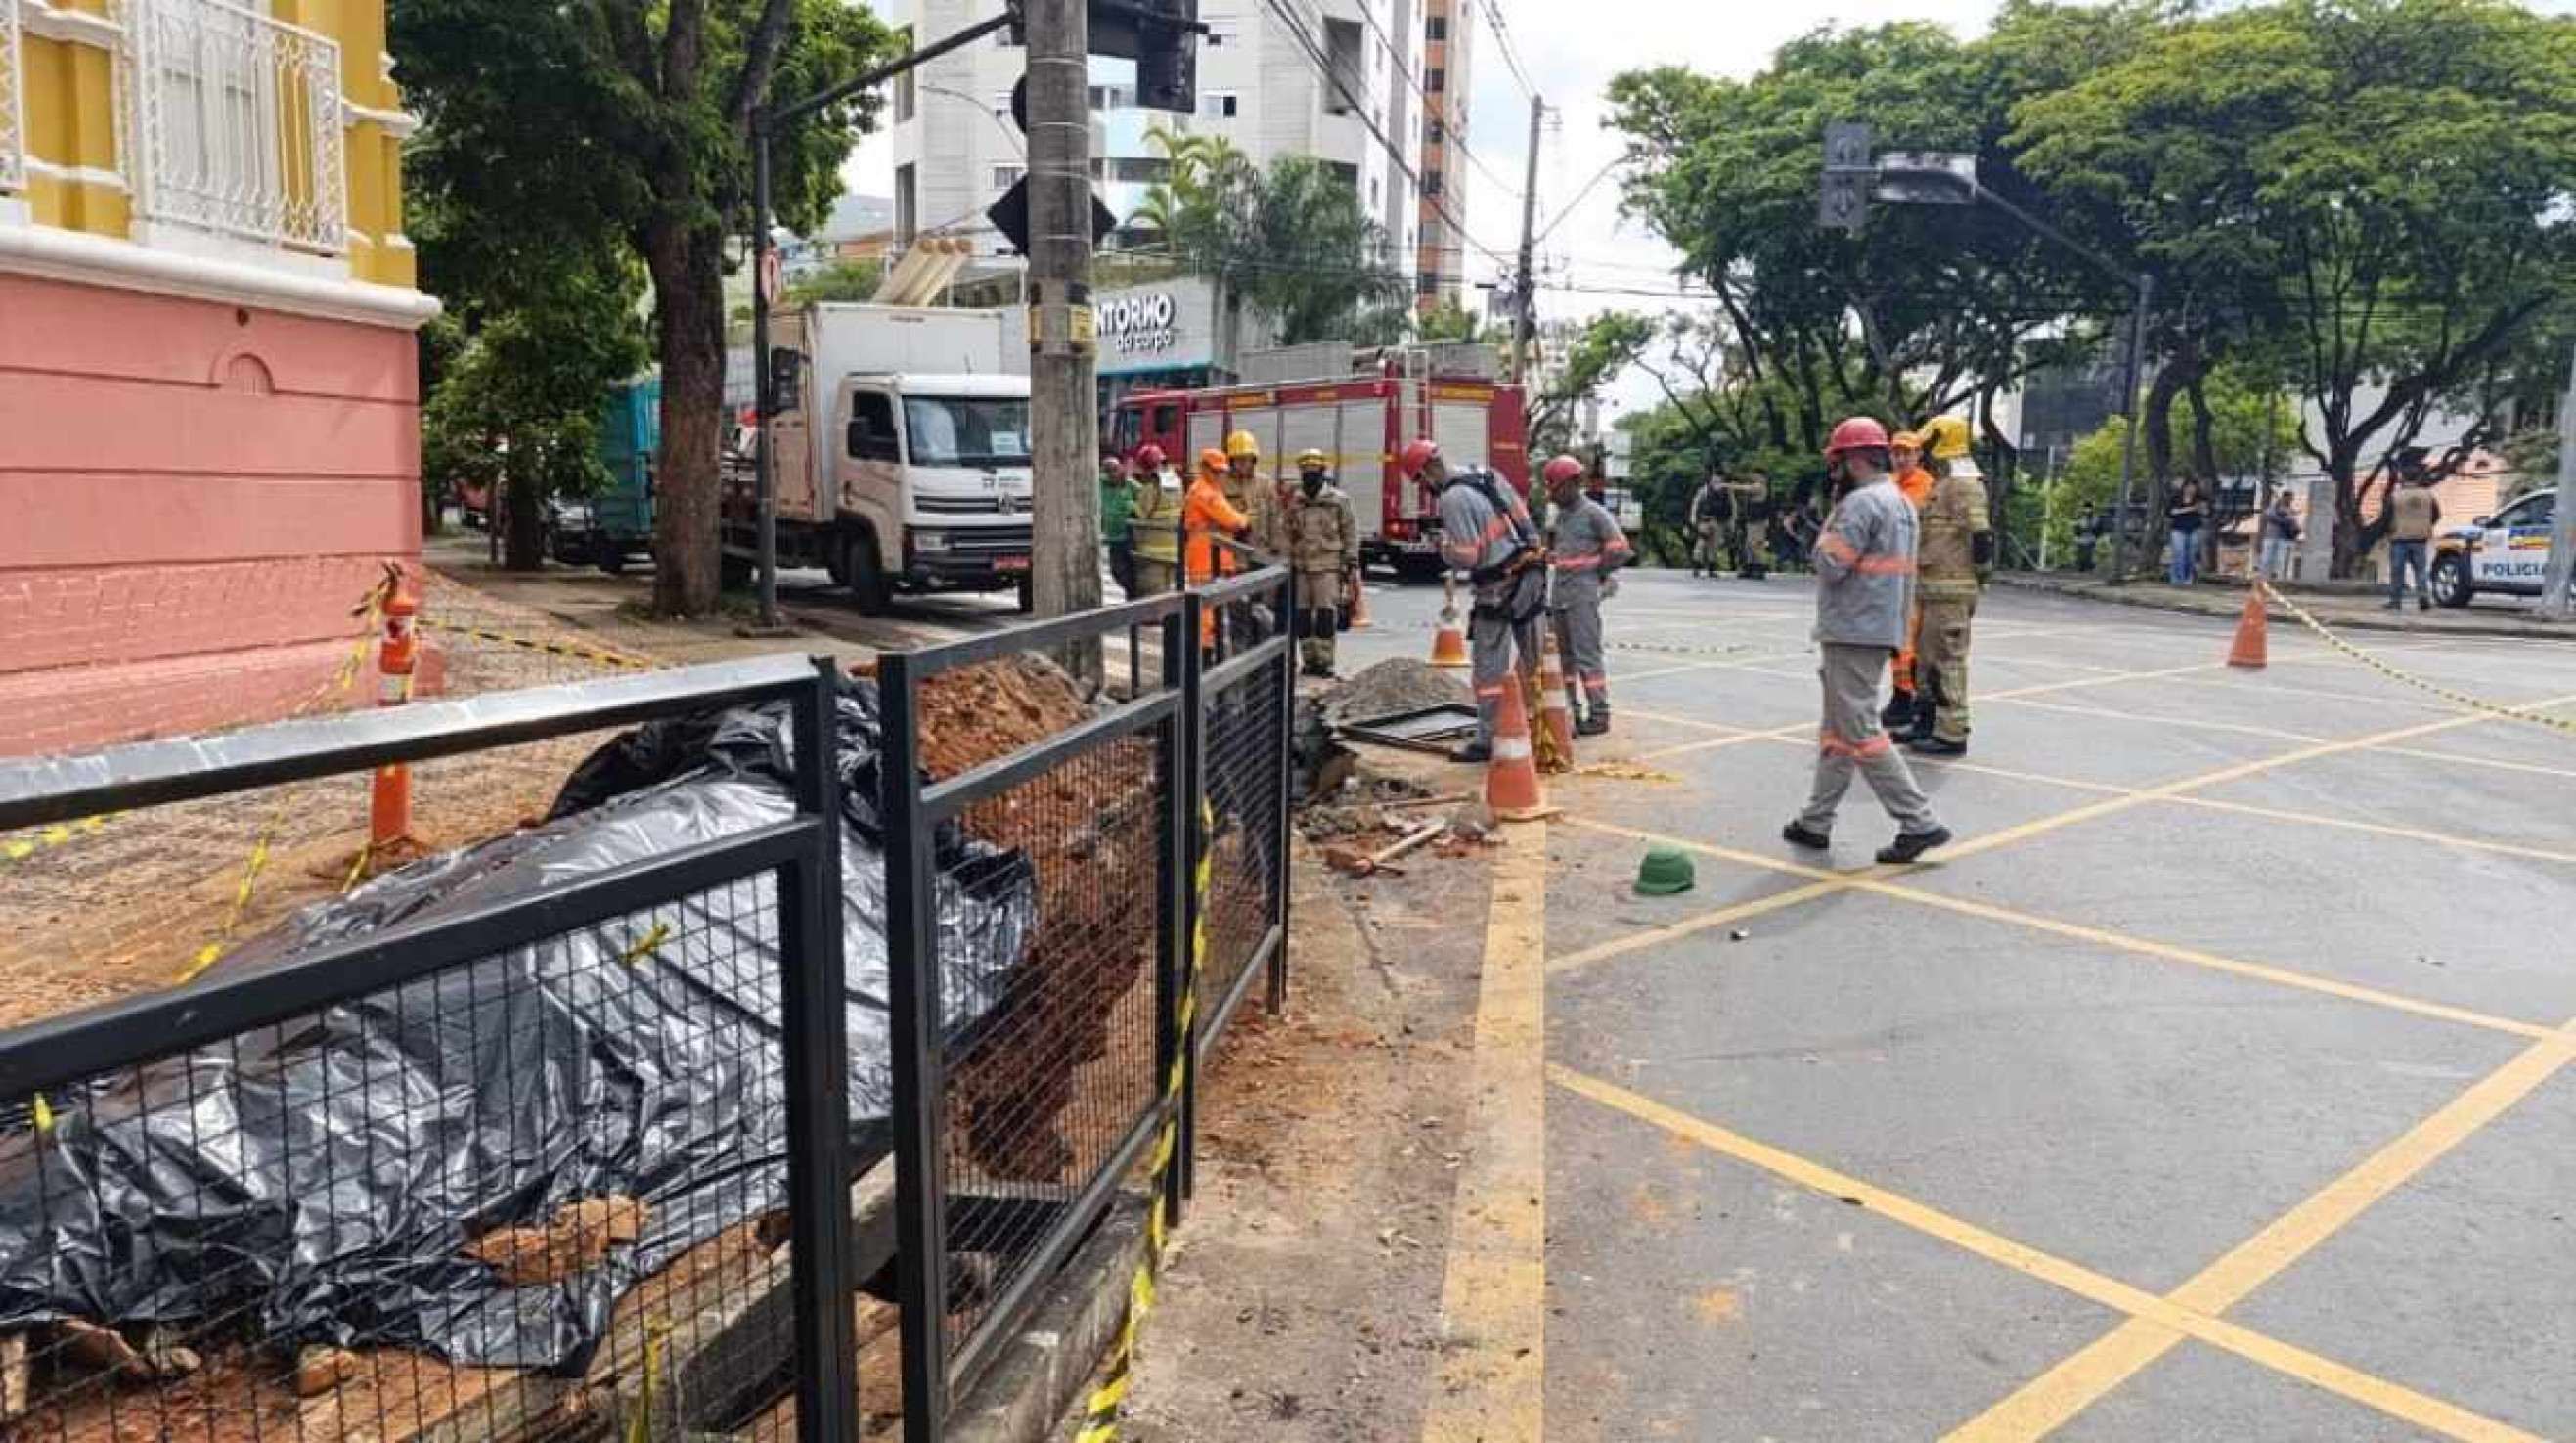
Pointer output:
x,y
2198,724
1493,1300
1638,941
2456,759
1874,881
2049,1400
1670,719
2168,1317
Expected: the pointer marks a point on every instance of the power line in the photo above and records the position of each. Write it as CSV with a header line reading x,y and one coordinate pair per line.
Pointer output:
x,y
1579,197
1451,134
1318,57
1503,43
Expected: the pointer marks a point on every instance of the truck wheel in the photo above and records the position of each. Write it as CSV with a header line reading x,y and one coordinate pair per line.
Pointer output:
x,y
609,553
865,574
2451,584
1415,570
1026,599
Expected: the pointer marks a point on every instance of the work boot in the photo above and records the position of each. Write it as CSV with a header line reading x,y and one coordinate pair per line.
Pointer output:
x,y
1910,845
1933,745
1473,754
1799,834
1899,712
1594,724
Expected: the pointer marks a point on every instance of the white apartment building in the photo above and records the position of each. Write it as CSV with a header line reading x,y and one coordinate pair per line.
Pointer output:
x,y
1259,85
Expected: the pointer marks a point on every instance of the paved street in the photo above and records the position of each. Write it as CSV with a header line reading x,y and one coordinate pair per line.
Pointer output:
x,y
2216,1084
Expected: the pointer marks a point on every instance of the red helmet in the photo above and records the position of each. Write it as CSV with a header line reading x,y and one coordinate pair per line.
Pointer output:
x,y
1859,433
1417,456
1150,456
1562,469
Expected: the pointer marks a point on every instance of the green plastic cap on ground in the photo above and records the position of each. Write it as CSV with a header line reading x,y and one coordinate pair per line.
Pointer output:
x,y
1665,871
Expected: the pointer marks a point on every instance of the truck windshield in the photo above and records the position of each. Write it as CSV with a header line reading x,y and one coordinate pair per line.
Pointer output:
x,y
967,430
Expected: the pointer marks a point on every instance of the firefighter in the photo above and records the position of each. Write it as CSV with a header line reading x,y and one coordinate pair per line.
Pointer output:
x,y
1710,507
1486,532
1958,555
1904,703
1155,523
1864,593
1206,515
1585,551
1251,495
1324,552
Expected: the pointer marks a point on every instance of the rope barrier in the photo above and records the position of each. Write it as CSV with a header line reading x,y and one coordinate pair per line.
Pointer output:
x,y
2404,678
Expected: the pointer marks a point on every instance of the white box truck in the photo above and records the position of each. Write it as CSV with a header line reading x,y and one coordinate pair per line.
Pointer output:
x,y
901,451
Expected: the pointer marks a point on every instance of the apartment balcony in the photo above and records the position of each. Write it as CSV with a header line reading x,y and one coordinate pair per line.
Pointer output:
x,y
239,123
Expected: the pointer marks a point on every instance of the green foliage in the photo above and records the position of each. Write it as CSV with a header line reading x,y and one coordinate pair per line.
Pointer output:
x,y
1447,321
1293,242
839,281
1609,344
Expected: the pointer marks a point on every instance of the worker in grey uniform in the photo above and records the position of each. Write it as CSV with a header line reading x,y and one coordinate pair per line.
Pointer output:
x,y
1486,531
1864,598
1585,547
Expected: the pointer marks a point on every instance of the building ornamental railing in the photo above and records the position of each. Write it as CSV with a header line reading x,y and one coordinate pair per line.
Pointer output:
x,y
239,122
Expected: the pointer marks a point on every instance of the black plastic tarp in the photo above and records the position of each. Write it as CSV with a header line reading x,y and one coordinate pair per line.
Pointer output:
x,y
321,1177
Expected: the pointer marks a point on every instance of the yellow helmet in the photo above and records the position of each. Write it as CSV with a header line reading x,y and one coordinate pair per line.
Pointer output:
x,y
1948,436
1241,444
1905,441
1310,459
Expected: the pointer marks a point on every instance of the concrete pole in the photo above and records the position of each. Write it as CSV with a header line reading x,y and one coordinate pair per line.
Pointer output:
x,y
2554,601
2130,402
1526,292
1064,407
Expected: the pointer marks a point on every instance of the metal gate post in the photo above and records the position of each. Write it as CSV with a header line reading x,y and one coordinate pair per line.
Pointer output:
x,y
813,1000
1171,914
1193,846
912,975
1286,771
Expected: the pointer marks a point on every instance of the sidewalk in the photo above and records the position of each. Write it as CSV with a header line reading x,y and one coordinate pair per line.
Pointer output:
x,y
2339,606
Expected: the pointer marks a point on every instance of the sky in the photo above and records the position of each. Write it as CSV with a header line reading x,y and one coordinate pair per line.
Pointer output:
x,y
1570,51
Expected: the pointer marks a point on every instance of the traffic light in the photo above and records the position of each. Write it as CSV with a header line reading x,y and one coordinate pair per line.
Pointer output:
x,y
1843,202
1162,37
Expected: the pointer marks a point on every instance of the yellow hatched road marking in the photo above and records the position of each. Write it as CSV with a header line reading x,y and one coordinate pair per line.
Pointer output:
x,y
1493,1300
2057,1395
1639,941
2169,1318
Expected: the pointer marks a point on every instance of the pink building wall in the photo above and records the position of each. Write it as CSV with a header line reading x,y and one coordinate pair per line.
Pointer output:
x,y
193,495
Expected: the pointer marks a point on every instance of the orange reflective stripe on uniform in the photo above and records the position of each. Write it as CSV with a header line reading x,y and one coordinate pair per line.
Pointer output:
x,y
1862,750
1884,565
1835,546
1584,562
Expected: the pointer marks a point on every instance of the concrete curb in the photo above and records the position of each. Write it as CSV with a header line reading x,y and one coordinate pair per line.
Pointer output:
x,y
1040,1374
2525,630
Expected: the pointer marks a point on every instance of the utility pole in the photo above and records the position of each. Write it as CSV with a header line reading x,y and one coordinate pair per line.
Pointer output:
x,y
2554,601
2129,402
1064,395
1525,293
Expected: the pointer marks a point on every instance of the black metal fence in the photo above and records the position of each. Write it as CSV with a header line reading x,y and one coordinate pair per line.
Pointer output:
x,y
639,1152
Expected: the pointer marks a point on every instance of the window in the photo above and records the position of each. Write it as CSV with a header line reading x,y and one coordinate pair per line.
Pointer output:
x,y
967,430
1220,33
1005,176
1426,284
1434,132
1217,105
1345,172
1343,59
1435,80
1138,169
1431,182
1436,28
907,96
907,205
871,435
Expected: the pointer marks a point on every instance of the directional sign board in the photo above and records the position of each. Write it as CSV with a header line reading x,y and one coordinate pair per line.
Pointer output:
x,y
1010,216
1843,201
1926,178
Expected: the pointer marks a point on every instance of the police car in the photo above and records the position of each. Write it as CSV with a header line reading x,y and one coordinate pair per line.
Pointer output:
x,y
2507,552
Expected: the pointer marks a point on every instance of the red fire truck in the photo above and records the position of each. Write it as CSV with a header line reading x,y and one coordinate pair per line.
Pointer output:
x,y
1361,423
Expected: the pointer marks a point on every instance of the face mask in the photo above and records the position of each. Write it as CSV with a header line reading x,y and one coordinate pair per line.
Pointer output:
x,y
1313,481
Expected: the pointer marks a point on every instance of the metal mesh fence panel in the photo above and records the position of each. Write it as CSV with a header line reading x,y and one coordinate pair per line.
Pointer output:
x,y
1245,824
540,1194
1044,1092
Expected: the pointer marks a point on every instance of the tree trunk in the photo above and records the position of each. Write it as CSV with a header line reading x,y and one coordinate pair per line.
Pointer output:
x,y
523,540
2351,540
688,286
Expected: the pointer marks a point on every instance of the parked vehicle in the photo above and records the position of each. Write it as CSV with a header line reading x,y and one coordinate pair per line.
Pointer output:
x,y
2507,552
1360,422
616,525
901,451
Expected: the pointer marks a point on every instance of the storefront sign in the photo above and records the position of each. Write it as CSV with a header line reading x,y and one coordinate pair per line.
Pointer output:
x,y
1140,324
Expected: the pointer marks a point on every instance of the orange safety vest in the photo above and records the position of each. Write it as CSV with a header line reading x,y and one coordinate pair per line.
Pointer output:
x,y
1204,514
1917,485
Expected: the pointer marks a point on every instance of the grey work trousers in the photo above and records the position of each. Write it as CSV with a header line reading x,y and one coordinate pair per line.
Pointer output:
x,y
1850,738
1578,636
1502,641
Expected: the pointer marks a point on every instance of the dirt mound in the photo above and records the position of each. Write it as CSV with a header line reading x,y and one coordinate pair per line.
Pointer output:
x,y
974,714
1396,686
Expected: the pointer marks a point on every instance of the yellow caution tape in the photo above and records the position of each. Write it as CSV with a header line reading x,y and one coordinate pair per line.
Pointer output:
x,y
60,834
44,1115
639,1428
1100,1416
2404,678
650,943
593,654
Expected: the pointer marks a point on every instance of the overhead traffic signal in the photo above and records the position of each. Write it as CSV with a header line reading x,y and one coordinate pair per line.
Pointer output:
x,y
1843,202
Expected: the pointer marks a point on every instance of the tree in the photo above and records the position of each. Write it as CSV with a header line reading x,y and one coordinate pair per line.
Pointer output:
x,y
2371,191
1609,344
1447,321
628,121
1293,242
855,280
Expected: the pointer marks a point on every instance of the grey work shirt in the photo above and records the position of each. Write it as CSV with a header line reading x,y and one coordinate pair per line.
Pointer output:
x,y
1865,568
1473,536
1585,545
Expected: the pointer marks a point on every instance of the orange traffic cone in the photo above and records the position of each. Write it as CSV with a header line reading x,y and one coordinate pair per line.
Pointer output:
x,y
1359,605
1449,643
2248,652
1511,779
1556,718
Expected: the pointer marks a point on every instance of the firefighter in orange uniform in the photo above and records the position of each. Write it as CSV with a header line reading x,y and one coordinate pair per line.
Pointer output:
x,y
1904,706
1206,514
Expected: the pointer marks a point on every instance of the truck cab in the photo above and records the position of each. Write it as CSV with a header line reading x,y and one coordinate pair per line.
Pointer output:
x,y
933,487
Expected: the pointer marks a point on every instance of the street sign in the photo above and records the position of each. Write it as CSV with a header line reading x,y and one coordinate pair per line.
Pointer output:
x,y
1010,216
1908,177
1842,201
